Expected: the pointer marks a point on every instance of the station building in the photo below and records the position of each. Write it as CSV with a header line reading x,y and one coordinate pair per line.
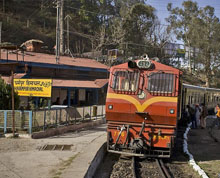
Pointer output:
x,y
75,81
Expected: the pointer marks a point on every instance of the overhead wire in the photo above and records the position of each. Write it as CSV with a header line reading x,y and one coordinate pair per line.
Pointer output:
x,y
37,10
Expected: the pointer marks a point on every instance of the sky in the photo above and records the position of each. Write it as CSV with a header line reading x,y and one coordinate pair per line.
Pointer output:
x,y
161,6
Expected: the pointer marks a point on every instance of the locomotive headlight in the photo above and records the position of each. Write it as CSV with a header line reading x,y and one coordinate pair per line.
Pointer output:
x,y
172,111
110,107
141,95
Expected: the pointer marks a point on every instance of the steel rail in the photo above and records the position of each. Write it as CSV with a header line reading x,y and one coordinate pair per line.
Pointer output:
x,y
133,166
163,169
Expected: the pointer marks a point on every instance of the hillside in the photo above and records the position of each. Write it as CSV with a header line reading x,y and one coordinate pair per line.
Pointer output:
x,y
24,20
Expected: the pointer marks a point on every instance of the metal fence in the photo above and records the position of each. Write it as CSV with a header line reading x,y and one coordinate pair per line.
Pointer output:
x,y
23,120
56,117
42,119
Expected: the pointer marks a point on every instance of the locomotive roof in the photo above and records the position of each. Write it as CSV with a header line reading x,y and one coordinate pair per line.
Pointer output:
x,y
159,66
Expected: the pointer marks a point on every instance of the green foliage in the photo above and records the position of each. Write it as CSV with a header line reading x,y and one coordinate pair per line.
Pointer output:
x,y
198,28
129,28
5,96
180,20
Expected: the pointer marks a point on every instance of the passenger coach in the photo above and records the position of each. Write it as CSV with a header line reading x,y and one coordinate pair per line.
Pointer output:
x,y
192,95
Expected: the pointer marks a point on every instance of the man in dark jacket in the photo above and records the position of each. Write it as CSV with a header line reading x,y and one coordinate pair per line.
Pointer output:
x,y
192,116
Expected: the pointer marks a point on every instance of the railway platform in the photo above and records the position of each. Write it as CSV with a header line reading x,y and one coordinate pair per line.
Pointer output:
x,y
204,145
61,156
89,146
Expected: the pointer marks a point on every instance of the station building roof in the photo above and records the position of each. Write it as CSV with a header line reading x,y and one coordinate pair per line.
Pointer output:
x,y
49,60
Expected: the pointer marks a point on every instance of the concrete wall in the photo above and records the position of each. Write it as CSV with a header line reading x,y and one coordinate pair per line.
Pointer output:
x,y
65,129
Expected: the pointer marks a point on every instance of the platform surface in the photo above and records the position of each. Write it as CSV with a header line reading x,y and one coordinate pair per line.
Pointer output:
x,y
21,158
204,145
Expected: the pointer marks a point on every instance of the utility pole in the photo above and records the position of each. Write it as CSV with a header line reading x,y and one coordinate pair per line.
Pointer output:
x,y
13,101
62,27
67,18
44,24
3,6
42,5
28,23
58,33
0,32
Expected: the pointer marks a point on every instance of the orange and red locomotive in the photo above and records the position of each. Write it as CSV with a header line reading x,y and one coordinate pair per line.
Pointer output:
x,y
142,108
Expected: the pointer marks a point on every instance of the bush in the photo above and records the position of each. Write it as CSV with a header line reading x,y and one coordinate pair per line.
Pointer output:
x,y
5,96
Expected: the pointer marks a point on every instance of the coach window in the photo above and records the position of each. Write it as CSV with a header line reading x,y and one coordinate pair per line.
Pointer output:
x,y
124,80
161,83
189,100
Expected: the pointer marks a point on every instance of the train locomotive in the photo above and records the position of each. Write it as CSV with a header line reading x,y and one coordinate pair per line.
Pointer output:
x,y
142,108
143,105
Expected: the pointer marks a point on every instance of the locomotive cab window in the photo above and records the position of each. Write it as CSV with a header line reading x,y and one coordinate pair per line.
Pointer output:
x,y
161,83
124,80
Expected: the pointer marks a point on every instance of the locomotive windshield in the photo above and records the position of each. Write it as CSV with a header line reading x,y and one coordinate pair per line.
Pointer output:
x,y
125,80
161,83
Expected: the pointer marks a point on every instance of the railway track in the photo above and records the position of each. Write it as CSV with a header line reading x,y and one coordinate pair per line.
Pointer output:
x,y
134,171
163,169
121,166
153,167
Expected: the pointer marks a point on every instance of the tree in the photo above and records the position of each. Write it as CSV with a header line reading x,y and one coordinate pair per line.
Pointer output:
x,y
207,40
158,37
180,20
87,18
138,22
127,30
198,28
5,96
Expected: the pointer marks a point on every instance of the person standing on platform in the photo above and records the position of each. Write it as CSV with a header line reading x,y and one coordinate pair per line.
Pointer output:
x,y
192,116
203,116
197,114
218,116
186,116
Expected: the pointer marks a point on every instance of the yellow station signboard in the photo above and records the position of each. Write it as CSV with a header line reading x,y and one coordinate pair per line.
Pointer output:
x,y
33,87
